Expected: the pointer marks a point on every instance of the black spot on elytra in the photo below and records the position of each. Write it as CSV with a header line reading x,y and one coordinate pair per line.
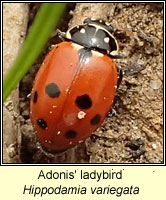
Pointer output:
x,y
83,101
71,134
34,97
52,90
95,120
42,123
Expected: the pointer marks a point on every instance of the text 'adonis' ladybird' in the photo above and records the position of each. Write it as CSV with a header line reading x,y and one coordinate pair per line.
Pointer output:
x,y
75,86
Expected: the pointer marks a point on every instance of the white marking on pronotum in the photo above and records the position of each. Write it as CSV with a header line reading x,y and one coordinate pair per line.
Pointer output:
x,y
82,30
115,86
81,115
98,27
106,39
54,106
93,40
50,112
70,142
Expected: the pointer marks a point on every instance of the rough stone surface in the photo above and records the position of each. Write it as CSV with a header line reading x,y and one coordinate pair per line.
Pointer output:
x,y
15,18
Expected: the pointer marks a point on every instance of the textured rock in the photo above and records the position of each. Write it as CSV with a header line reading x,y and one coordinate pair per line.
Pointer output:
x,y
15,18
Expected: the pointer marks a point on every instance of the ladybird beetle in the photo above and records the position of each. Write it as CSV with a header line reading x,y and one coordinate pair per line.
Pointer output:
x,y
75,86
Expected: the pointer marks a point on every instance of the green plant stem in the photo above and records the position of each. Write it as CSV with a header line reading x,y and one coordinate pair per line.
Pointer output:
x,y
45,21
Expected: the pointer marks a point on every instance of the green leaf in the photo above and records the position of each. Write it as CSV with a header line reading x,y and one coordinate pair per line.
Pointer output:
x,y
45,21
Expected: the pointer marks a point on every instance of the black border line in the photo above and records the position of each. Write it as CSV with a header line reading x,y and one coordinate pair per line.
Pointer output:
x,y
82,164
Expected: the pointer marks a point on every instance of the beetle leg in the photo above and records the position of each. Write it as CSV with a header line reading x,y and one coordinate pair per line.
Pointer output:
x,y
112,112
129,71
118,56
133,69
61,35
120,76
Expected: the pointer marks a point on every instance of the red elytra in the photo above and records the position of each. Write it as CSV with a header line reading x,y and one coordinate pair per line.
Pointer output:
x,y
75,86
68,119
